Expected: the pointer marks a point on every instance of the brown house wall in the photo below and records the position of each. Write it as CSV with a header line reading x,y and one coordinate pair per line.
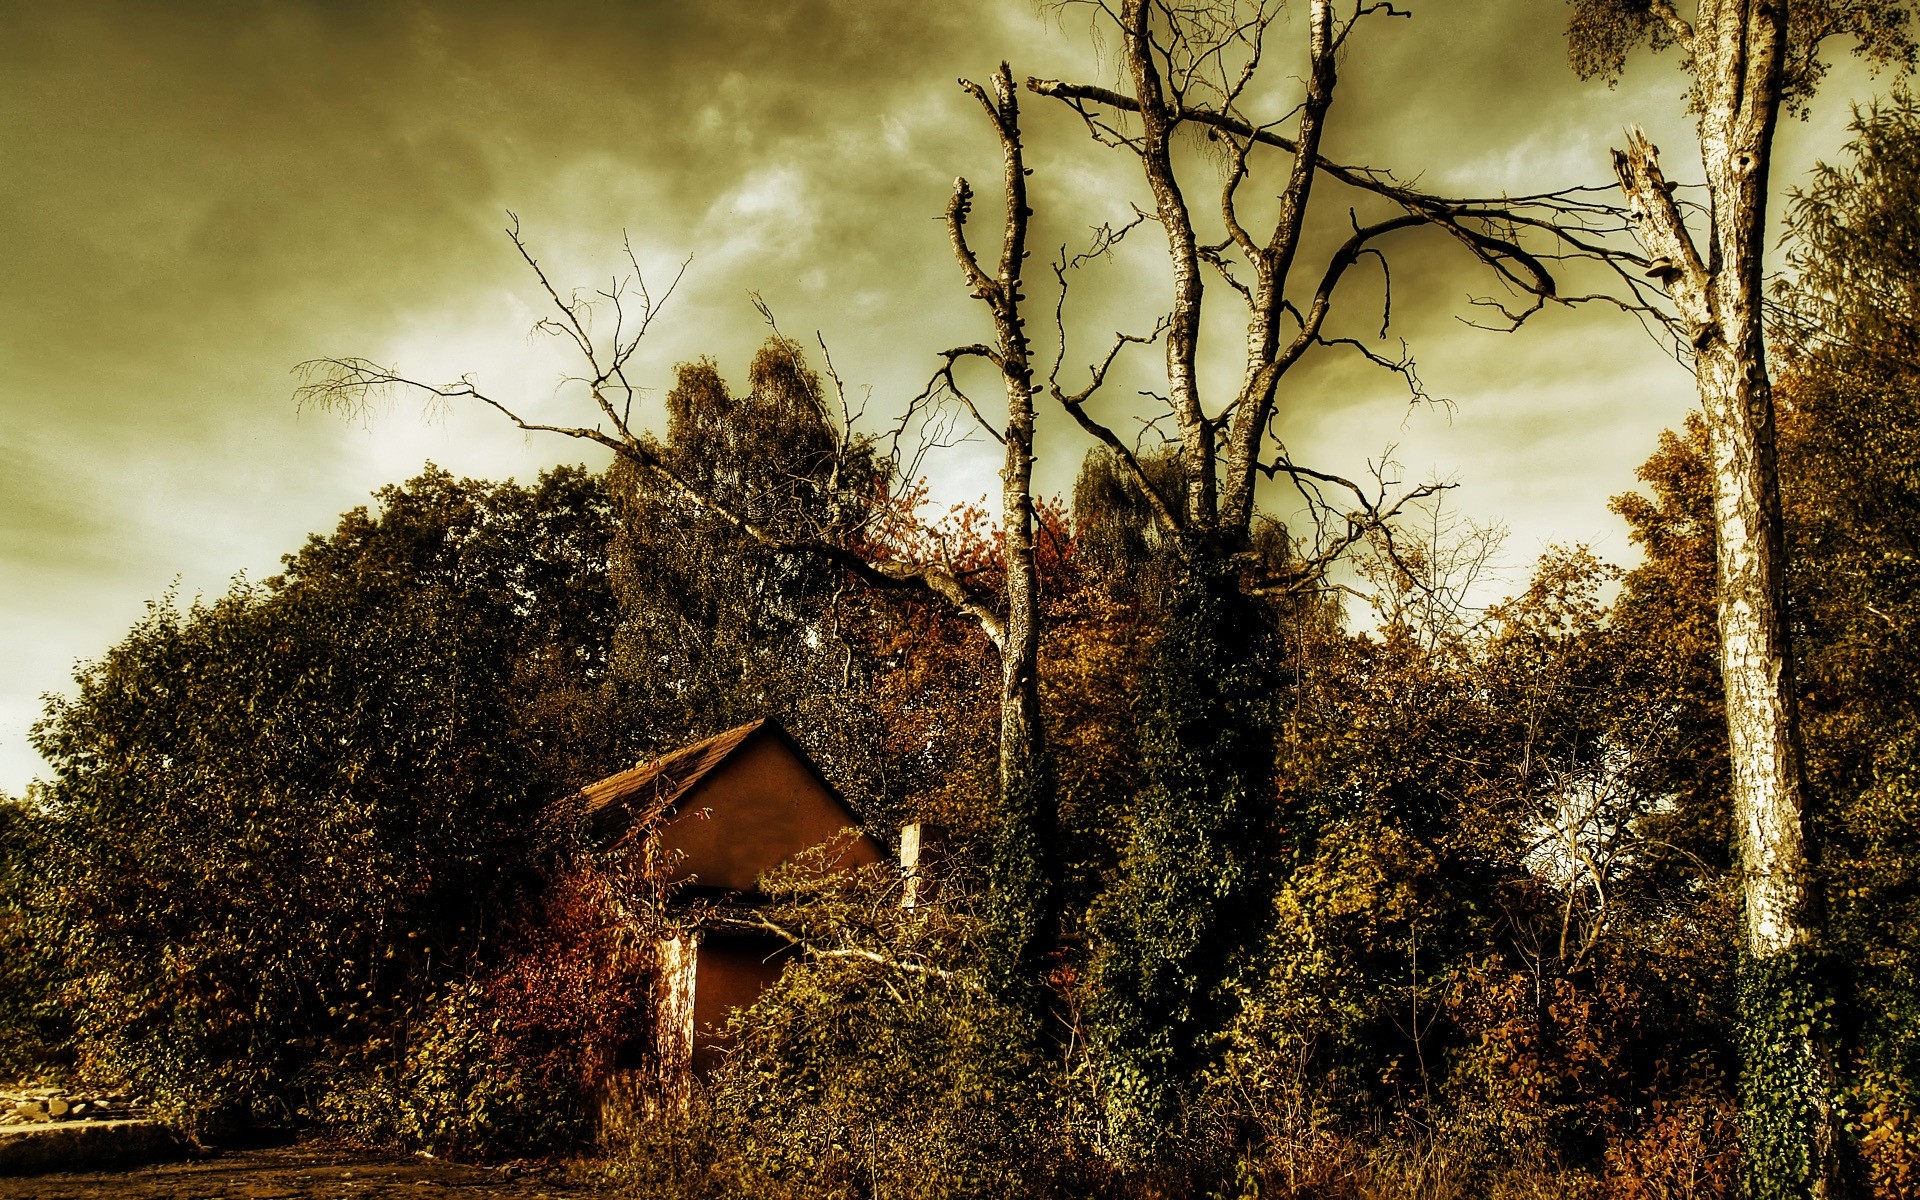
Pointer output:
x,y
753,812
733,970
759,807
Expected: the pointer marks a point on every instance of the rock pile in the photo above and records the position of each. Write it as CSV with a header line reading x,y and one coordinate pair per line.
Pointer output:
x,y
44,1105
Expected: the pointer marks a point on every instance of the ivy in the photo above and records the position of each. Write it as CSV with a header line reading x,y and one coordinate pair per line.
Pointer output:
x,y
1192,886
1785,1018
1022,905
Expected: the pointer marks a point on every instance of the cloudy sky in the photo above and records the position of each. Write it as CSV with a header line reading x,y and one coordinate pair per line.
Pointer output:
x,y
196,196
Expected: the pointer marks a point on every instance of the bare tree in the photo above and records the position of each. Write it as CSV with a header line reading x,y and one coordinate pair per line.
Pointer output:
x,y
1023,906
1197,76
1748,60
1195,66
351,385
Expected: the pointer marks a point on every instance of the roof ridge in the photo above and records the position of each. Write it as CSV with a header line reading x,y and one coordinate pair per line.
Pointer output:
x,y
663,761
670,776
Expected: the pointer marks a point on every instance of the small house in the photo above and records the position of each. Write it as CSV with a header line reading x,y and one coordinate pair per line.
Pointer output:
x,y
716,815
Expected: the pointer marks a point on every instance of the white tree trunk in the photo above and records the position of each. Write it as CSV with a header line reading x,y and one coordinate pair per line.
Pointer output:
x,y
1738,51
1754,663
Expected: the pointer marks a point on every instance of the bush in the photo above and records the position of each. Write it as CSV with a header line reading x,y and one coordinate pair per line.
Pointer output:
x,y
510,1061
34,1031
283,818
686,1156
850,1080
880,1061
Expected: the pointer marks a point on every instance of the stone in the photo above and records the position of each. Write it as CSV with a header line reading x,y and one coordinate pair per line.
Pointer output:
x,y
59,1106
88,1145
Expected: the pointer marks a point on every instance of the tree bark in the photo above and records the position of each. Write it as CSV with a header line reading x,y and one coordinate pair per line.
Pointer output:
x,y
1157,123
1789,1126
1273,262
1780,913
1022,904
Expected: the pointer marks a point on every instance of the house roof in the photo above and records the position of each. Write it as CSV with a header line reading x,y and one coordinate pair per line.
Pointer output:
x,y
641,795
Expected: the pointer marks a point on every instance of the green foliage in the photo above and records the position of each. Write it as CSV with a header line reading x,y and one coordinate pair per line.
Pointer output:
x,y
1023,907
716,629
34,1031
1094,649
1303,1062
1663,635
281,818
843,1083
1785,1012
1192,886
459,1090
1117,537
1481,951
511,1058
881,1063
1850,459
1602,33
693,1155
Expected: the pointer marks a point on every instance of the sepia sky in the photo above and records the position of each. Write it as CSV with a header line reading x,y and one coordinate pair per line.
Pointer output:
x,y
196,196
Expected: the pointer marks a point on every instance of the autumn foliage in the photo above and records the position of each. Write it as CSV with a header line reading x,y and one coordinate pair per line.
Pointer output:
x,y
1461,924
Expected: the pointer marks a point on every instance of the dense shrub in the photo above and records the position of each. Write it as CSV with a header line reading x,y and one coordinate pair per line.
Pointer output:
x,y
509,1060
283,819
34,1031
880,1061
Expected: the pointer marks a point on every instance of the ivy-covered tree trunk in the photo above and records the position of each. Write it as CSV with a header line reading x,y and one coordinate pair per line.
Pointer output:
x,y
1193,886
1023,910
1738,51
1023,907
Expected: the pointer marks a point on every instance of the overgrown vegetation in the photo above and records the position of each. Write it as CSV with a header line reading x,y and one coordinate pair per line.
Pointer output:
x,y
1426,901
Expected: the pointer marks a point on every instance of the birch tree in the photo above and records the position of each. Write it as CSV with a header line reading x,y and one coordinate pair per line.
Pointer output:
x,y
1749,61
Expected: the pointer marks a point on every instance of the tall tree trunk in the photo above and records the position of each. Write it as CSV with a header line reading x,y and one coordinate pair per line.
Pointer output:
x,y
1780,909
1789,1128
1022,904
1024,909
1194,889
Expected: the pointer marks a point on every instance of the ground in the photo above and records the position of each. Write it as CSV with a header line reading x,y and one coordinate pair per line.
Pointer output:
x,y
305,1171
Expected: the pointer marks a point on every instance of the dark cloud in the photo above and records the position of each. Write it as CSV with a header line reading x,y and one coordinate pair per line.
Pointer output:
x,y
197,195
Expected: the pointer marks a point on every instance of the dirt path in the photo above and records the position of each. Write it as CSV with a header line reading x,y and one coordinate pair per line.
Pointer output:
x,y
307,1171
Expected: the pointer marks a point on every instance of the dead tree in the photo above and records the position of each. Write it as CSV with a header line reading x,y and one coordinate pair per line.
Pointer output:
x,y
351,385
1023,908
1191,892
1196,66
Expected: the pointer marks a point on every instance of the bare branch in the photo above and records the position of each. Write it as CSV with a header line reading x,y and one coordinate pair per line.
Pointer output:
x,y
349,385
1559,211
943,383
758,921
